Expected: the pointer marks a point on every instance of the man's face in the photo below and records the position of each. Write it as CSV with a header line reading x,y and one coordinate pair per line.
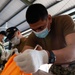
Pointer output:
x,y
15,40
40,25
1,37
15,35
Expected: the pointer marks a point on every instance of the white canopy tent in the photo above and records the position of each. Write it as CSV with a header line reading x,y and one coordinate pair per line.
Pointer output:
x,y
12,12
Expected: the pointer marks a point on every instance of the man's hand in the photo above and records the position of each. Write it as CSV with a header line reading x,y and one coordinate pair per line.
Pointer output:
x,y
15,50
30,60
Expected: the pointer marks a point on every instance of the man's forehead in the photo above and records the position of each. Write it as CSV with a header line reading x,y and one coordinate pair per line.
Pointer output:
x,y
38,24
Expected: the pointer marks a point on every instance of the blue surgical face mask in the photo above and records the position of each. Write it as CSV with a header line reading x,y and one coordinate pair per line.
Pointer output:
x,y
15,40
4,38
42,34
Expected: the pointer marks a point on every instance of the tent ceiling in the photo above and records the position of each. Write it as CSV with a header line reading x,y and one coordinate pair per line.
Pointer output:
x,y
12,12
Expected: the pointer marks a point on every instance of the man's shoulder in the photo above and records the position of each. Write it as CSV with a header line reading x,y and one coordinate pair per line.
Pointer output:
x,y
61,19
61,16
32,35
23,39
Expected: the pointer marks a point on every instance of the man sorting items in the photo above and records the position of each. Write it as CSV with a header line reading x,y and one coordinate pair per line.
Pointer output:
x,y
16,38
56,35
3,53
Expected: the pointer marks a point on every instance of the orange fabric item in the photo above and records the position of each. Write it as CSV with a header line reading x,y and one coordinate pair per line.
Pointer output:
x,y
12,69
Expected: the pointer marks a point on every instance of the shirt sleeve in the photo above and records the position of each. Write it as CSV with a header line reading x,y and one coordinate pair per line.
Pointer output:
x,y
68,25
0,51
3,57
1,48
32,40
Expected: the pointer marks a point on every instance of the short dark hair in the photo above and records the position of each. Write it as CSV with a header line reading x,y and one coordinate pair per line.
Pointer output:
x,y
3,33
35,12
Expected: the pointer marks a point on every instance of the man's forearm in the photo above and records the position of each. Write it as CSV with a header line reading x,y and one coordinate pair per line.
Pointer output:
x,y
65,55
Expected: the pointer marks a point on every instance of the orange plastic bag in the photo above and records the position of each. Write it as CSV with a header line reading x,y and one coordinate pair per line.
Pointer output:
x,y
12,69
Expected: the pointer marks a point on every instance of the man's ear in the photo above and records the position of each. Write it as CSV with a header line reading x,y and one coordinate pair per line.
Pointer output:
x,y
18,32
50,19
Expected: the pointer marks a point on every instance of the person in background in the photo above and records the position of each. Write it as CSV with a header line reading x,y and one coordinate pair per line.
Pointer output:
x,y
16,38
2,50
56,35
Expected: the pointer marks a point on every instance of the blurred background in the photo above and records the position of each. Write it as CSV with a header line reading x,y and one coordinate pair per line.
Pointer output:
x,y
13,12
